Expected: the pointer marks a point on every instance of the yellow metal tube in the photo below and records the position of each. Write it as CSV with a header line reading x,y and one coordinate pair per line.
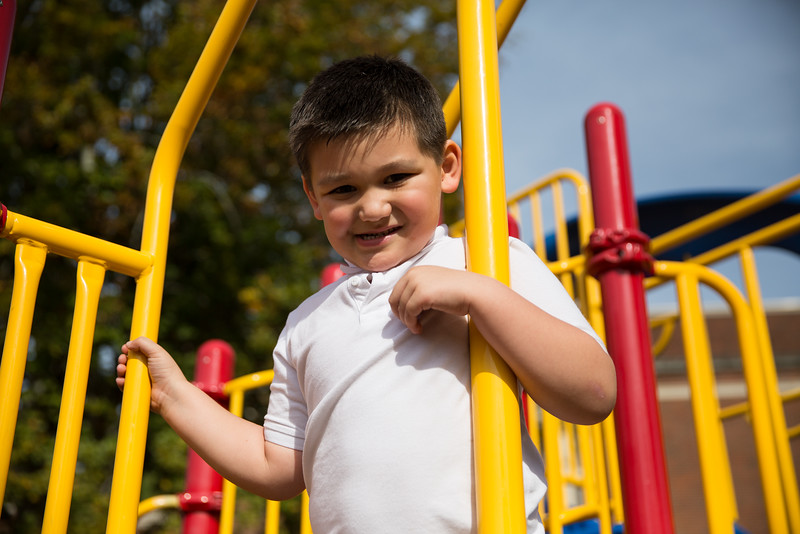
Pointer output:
x,y
129,460
29,263
551,427
226,515
714,466
496,428
75,245
507,13
780,435
763,236
272,520
762,423
159,502
68,434
732,212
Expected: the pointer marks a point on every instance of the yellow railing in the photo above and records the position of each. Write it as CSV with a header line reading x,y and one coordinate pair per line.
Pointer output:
x,y
765,409
35,239
776,431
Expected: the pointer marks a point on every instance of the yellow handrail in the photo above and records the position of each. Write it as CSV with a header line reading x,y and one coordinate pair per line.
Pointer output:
x,y
129,459
726,215
707,409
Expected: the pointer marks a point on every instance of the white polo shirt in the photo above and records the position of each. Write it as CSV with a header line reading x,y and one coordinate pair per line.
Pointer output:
x,y
383,415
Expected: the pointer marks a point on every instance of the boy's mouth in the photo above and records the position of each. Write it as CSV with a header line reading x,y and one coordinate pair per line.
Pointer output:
x,y
378,235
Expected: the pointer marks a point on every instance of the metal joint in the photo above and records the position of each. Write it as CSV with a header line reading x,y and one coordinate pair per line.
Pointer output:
x,y
626,249
201,501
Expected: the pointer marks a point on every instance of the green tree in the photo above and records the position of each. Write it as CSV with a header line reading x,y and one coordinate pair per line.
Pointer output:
x,y
89,89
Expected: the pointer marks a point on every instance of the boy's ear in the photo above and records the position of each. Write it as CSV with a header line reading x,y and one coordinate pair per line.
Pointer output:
x,y
312,199
451,167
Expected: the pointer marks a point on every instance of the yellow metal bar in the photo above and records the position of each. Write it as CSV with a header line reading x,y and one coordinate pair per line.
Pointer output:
x,y
226,515
305,524
612,459
780,432
507,13
551,427
28,266
764,236
68,434
732,212
714,465
539,243
601,480
667,324
272,519
496,429
129,460
159,502
75,245
758,395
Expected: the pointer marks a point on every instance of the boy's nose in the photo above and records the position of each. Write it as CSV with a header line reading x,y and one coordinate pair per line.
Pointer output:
x,y
374,206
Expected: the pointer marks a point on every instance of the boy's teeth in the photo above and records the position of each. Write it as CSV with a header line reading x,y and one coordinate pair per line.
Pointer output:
x,y
379,234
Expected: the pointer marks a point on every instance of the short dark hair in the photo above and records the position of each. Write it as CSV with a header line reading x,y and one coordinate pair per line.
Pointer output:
x,y
366,96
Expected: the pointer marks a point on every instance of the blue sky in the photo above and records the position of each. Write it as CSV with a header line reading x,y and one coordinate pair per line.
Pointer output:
x,y
710,90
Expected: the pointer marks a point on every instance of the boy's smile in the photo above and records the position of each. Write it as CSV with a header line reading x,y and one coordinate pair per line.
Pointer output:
x,y
379,197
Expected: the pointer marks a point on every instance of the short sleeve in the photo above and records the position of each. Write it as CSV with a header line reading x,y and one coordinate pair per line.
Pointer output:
x,y
287,414
532,279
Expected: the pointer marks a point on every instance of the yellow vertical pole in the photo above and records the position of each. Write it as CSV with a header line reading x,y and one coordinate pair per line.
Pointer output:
x,y
236,407
68,434
29,263
496,426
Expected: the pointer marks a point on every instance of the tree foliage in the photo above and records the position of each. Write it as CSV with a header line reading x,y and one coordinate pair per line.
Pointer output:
x,y
89,89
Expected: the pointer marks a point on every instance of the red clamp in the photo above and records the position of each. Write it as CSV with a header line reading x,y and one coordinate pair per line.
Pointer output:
x,y
3,217
201,501
618,249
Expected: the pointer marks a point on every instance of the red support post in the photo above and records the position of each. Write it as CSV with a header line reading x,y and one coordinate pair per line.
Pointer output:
x,y
202,500
8,10
619,260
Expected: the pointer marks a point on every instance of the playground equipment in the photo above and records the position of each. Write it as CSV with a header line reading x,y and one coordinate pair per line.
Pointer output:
x,y
612,473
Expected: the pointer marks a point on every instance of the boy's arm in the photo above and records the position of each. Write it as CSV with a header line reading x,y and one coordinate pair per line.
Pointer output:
x,y
562,368
233,446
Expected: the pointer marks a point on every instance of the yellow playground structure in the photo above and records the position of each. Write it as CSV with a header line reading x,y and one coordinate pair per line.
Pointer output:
x,y
605,478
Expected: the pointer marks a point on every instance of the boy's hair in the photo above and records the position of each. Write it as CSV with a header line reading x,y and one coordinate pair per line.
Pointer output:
x,y
364,96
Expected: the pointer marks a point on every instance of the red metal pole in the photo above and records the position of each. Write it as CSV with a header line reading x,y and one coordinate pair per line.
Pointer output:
x,y
202,499
619,260
8,9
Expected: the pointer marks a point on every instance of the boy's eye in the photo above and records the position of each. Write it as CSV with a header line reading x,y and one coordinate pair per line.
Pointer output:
x,y
342,190
398,177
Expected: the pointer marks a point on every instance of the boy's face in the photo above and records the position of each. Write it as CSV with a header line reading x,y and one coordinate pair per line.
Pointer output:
x,y
379,198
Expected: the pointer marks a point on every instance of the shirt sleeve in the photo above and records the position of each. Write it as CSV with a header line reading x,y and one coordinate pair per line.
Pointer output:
x,y
287,414
532,279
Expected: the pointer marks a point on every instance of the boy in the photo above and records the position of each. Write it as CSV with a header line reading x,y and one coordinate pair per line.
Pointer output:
x,y
369,408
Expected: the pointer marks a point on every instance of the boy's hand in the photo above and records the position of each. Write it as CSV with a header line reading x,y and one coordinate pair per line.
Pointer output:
x,y
165,374
429,287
